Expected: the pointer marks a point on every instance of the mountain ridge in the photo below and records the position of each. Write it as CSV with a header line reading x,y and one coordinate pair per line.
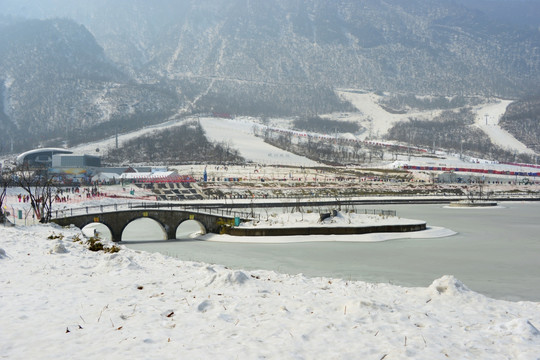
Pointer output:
x,y
57,82
368,44
279,58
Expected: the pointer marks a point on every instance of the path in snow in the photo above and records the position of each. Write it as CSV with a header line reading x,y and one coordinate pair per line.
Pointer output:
x,y
238,133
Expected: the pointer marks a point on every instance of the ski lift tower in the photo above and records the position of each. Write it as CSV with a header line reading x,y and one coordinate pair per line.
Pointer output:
x,y
487,117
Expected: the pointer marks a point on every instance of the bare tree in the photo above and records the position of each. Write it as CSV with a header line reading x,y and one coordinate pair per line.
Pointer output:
x,y
40,188
477,193
6,180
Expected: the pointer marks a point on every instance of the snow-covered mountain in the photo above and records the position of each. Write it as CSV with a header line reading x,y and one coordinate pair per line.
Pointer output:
x,y
277,57
56,83
420,46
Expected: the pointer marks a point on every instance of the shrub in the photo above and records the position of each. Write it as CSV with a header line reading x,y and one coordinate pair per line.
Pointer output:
x,y
94,244
54,236
113,249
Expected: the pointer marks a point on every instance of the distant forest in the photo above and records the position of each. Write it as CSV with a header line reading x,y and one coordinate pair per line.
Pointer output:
x,y
399,103
183,144
270,100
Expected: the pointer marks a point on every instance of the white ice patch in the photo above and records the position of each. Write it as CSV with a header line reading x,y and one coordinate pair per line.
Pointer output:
x,y
225,278
118,262
204,306
448,285
58,248
236,278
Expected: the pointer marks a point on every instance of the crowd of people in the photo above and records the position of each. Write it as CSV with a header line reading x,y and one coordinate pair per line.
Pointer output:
x,y
67,194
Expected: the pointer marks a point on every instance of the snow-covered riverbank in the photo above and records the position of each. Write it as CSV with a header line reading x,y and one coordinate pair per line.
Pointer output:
x,y
61,301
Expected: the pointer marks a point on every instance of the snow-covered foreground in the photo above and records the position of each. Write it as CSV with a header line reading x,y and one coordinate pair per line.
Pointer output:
x,y
59,300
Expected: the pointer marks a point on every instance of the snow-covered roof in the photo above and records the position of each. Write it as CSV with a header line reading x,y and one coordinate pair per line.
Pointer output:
x,y
148,175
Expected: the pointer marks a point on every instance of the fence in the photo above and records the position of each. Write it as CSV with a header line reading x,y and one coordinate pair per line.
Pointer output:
x,y
219,211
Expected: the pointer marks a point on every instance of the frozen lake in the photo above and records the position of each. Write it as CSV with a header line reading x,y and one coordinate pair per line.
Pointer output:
x,y
496,252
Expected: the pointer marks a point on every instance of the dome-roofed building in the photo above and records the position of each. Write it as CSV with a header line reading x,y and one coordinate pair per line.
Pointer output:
x,y
40,157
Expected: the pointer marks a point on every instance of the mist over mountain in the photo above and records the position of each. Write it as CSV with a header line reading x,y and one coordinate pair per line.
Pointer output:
x,y
56,82
282,57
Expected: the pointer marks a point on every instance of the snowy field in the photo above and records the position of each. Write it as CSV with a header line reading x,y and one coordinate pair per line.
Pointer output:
x,y
62,301
312,219
102,146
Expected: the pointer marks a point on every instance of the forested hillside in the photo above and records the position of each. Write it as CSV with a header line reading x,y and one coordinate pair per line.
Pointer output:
x,y
185,144
522,119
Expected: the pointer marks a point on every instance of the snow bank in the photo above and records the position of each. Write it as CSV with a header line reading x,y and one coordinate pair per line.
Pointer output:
x,y
92,305
306,219
309,220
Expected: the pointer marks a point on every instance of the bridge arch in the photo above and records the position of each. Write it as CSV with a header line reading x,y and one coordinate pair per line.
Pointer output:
x,y
145,226
190,228
103,230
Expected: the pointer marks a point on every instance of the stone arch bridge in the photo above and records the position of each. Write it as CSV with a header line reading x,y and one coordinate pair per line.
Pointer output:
x,y
168,219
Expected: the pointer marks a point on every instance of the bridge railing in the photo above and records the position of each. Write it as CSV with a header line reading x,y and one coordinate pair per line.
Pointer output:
x,y
95,209
200,209
99,209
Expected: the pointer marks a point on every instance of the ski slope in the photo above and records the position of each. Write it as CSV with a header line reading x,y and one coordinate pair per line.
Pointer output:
x,y
382,121
487,120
